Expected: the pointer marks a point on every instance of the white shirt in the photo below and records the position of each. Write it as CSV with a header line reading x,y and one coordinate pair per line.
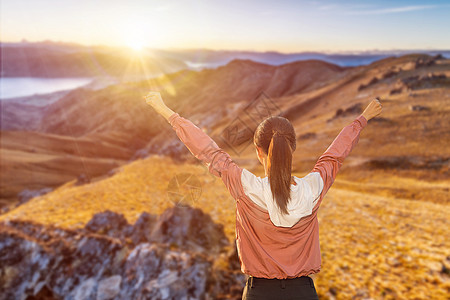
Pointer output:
x,y
303,196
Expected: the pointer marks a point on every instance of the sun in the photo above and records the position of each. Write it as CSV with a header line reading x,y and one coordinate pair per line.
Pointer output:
x,y
136,44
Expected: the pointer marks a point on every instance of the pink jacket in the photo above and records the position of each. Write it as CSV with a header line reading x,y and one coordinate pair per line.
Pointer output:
x,y
270,244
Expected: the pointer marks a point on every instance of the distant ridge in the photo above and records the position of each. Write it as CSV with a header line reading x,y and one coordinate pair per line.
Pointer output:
x,y
206,58
47,58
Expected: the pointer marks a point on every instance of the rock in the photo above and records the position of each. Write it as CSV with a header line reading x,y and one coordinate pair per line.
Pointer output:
x,y
419,108
307,135
109,223
47,262
426,82
109,288
189,228
410,79
333,291
174,149
436,76
27,194
141,230
445,269
395,91
339,112
229,279
85,289
405,163
373,81
381,120
82,179
4,209
389,74
424,62
352,110
161,273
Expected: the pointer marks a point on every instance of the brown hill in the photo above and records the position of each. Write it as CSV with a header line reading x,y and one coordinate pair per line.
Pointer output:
x,y
117,115
34,161
318,97
239,80
373,247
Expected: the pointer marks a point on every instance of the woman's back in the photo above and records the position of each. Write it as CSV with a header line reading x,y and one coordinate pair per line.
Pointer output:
x,y
276,245
304,194
271,251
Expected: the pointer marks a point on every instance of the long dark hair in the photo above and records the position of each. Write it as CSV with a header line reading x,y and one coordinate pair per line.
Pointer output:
x,y
276,137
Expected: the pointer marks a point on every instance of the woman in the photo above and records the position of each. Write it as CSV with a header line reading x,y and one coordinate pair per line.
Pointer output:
x,y
277,231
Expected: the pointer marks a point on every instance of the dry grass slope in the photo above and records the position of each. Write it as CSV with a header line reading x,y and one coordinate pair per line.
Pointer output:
x,y
373,247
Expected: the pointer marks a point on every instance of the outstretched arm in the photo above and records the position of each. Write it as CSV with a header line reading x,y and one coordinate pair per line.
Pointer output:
x,y
154,100
331,160
219,162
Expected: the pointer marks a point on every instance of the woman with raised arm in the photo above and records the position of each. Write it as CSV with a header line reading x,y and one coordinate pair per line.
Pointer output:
x,y
277,231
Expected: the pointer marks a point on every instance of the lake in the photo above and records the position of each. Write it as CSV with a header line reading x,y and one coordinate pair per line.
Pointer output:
x,y
12,87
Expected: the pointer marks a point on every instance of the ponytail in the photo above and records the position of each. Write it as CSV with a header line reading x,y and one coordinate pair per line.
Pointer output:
x,y
279,166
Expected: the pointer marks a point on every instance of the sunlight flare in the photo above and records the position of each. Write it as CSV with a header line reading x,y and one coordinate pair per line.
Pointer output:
x,y
136,44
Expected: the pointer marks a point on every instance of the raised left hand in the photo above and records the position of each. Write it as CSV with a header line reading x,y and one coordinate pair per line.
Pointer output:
x,y
154,100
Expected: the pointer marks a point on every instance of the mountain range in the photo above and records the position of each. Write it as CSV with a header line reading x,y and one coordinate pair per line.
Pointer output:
x,y
92,131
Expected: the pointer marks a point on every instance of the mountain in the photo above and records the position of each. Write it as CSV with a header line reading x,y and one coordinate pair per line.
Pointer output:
x,y
90,122
205,58
318,98
65,60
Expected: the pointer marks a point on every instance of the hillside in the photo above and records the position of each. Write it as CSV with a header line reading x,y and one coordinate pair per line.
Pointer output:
x,y
372,246
35,161
318,98
117,115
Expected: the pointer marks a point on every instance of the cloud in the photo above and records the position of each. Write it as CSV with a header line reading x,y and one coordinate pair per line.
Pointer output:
x,y
391,10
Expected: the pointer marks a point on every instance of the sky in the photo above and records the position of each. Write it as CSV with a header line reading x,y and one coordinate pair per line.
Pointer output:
x,y
253,25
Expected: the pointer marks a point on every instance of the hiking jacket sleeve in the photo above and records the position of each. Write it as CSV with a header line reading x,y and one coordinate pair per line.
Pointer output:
x,y
218,162
331,160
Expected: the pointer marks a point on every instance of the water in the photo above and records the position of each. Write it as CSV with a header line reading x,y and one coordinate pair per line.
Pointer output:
x,y
11,87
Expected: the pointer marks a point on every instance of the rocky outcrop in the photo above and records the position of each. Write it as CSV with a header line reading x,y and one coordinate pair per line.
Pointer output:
x,y
349,111
425,61
27,194
373,81
414,162
167,257
427,81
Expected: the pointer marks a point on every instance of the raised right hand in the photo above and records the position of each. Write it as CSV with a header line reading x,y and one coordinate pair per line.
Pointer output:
x,y
372,110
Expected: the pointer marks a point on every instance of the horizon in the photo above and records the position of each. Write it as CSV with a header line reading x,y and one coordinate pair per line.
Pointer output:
x,y
330,52
305,26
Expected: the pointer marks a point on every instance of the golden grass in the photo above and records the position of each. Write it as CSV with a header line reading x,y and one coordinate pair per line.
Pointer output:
x,y
140,186
373,246
383,248
389,183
